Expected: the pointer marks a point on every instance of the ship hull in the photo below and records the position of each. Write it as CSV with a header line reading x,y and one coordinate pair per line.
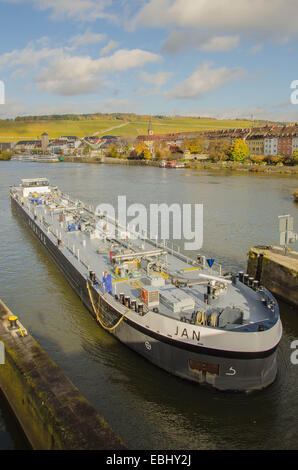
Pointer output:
x,y
223,370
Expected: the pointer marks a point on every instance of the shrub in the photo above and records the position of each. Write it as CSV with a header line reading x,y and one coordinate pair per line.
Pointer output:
x,y
5,155
257,158
275,160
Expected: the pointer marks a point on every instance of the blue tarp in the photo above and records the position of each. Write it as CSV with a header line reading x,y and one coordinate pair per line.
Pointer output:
x,y
210,262
107,281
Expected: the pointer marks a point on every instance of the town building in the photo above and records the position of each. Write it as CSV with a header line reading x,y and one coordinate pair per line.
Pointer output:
x,y
73,142
284,147
255,143
270,146
6,146
27,145
58,146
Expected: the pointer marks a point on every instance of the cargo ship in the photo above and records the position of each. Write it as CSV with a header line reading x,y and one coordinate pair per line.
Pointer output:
x,y
182,314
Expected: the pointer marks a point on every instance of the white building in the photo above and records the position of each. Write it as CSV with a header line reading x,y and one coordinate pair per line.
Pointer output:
x,y
73,141
294,144
58,146
270,146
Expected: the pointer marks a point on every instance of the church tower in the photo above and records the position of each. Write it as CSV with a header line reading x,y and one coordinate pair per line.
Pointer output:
x,y
44,141
150,131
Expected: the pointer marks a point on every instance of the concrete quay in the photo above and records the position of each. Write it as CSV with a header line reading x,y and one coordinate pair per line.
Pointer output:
x,y
276,270
50,409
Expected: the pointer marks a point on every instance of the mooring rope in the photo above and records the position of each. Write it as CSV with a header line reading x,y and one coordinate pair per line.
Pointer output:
x,y
96,311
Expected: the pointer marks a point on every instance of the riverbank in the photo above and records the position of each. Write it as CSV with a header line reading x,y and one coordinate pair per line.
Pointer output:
x,y
245,167
194,165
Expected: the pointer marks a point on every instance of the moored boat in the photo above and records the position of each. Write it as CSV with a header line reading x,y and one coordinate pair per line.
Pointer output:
x,y
181,314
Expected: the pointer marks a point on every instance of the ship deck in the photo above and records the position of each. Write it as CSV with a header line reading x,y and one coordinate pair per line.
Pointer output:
x,y
89,250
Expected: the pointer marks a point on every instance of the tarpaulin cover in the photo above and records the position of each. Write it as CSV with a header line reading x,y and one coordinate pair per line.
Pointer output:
x,y
107,280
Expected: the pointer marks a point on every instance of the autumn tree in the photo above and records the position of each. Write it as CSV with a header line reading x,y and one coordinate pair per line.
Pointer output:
x,y
195,145
157,154
164,151
146,154
112,152
219,149
140,148
239,151
6,155
133,155
295,157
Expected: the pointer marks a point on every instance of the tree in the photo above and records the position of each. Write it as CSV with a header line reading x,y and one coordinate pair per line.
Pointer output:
x,y
295,157
219,149
112,152
239,151
6,155
140,147
147,154
133,155
163,150
157,154
195,145
126,149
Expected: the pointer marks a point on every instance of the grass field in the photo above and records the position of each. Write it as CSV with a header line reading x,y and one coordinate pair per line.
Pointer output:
x,y
25,130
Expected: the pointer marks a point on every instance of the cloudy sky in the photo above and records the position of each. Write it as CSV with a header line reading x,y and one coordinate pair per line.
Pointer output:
x,y
221,58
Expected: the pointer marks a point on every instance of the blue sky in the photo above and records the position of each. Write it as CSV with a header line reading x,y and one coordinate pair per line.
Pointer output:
x,y
221,58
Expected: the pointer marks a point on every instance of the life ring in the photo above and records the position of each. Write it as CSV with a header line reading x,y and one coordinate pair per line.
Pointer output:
x,y
144,295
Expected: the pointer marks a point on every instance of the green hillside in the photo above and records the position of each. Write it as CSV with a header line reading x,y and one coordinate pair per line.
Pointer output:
x,y
18,129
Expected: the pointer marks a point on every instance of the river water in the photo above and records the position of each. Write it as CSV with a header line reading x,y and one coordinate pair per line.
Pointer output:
x,y
147,407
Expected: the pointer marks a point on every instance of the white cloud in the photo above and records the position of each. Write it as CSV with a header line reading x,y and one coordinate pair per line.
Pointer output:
x,y
29,56
68,75
125,59
109,47
203,80
86,38
277,18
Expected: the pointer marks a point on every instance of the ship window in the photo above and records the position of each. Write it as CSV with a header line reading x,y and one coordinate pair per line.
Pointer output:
x,y
196,366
